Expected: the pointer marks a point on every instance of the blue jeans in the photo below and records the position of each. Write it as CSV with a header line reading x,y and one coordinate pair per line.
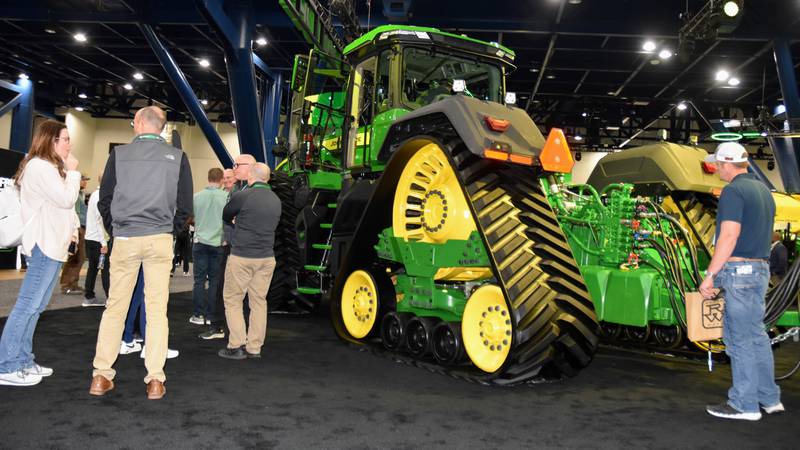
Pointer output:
x,y
746,341
16,345
206,266
137,303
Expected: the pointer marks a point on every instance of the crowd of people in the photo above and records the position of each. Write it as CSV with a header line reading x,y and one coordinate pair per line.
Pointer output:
x,y
130,230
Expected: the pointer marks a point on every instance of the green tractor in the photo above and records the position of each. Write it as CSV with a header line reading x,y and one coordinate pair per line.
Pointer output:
x,y
412,196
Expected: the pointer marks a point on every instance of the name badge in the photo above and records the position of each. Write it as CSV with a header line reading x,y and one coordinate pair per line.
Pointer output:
x,y
744,270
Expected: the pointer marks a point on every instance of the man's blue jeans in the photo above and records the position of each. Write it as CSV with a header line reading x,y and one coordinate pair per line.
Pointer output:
x,y
16,345
136,308
206,266
744,287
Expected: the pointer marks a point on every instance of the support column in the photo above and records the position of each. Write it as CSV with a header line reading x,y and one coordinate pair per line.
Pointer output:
x,y
187,95
787,150
22,118
271,112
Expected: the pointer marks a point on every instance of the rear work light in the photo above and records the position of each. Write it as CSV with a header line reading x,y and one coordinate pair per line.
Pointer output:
x,y
709,167
498,125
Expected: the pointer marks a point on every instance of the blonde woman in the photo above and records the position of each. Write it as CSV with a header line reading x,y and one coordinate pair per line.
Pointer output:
x,y
49,185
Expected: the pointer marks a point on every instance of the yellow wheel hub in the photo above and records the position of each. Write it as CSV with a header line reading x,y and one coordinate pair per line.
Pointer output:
x,y
486,328
429,205
359,304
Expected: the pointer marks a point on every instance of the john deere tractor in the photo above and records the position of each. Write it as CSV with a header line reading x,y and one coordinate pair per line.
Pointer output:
x,y
414,197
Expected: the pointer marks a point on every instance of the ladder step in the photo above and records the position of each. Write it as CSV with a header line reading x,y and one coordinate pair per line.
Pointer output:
x,y
326,226
309,290
322,246
331,205
315,268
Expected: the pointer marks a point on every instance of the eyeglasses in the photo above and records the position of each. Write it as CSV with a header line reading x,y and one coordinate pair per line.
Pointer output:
x,y
65,139
235,165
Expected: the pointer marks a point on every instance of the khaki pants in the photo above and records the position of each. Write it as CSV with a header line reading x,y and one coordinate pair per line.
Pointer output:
x,y
154,255
251,276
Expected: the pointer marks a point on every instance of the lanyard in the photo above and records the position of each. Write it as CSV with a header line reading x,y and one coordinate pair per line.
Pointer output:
x,y
260,186
150,136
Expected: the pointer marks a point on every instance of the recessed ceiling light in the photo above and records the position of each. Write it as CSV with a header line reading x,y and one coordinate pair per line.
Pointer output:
x,y
80,37
138,76
534,70
48,62
49,31
731,9
733,81
204,102
127,86
649,46
665,54
578,137
551,77
611,92
722,75
682,106
82,95
79,108
584,114
261,41
204,62
24,76
233,122
575,2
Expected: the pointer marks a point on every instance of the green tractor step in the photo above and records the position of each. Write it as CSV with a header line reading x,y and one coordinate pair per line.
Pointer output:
x,y
326,226
315,268
322,246
309,290
331,205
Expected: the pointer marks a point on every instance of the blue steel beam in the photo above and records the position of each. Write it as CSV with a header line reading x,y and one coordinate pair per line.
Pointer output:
x,y
22,118
9,105
234,23
271,112
787,150
187,95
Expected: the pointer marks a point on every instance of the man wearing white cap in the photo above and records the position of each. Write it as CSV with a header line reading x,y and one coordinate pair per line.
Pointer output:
x,y
740,267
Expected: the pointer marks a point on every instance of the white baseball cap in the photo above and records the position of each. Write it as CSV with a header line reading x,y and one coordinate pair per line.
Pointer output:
x,y
731,152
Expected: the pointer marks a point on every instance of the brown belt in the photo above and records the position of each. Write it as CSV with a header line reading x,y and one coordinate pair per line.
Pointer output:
x,y
739,259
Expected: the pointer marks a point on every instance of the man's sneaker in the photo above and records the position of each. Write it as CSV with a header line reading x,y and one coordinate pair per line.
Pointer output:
x,y
726,411
186,274
233,353
127,348
212,333
20,378
39,370
72,291
777,408
253,355
93,302
170,353
197,319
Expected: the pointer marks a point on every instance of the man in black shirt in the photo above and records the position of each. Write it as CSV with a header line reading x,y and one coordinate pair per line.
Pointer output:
x,y
778,258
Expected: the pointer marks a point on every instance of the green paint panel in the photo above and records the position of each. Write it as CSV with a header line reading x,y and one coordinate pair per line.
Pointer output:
x,y
789,319
422,259
634,297
423,297
325,180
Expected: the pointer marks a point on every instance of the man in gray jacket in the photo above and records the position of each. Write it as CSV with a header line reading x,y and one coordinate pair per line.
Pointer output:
x,y
146,194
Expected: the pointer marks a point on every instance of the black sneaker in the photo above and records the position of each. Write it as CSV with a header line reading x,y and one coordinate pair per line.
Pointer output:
x,y
212,333
233,353
253,355
726,411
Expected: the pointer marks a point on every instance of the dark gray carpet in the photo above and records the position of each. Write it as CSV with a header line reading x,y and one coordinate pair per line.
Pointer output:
x,y
312,391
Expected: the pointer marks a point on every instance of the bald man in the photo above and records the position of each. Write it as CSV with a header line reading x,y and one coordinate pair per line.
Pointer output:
x,y
255,211
145,196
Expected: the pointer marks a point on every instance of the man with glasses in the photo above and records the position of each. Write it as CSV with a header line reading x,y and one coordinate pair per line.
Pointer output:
x,y
241,171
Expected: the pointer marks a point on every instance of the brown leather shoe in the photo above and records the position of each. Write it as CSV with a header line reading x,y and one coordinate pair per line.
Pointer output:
x,y
100,385
155,390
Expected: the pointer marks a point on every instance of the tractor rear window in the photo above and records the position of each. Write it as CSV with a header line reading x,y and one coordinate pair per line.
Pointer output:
x,y
428,77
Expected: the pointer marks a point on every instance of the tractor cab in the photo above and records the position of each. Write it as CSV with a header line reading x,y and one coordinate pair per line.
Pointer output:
x,y
349,104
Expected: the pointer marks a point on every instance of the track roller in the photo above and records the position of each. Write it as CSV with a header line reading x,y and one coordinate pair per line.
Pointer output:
x,y
419,331
447,345
393,330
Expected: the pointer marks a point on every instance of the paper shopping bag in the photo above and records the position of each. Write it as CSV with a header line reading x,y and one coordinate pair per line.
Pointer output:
x,y
704,317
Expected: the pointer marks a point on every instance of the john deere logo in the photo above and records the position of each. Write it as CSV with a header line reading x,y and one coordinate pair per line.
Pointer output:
x,y
713,311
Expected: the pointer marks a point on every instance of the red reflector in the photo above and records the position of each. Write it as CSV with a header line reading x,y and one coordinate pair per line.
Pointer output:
x,y
494,154
498,125
521,159
555,156
709,167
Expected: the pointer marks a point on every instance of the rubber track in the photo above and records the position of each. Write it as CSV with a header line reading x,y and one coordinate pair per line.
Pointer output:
x,y
555,327
282,296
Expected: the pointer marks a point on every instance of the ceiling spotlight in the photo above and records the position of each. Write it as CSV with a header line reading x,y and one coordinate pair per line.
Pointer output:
x,y
733,81
578,137
575,2
24,76
584,114
534,70
731,8
550,77
79,108
649,46
49,31
138,76
204,102
82,95
614,93
204,63
665,54
722,75
48,62
127,86
261,41
80,37
682,106
233,122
